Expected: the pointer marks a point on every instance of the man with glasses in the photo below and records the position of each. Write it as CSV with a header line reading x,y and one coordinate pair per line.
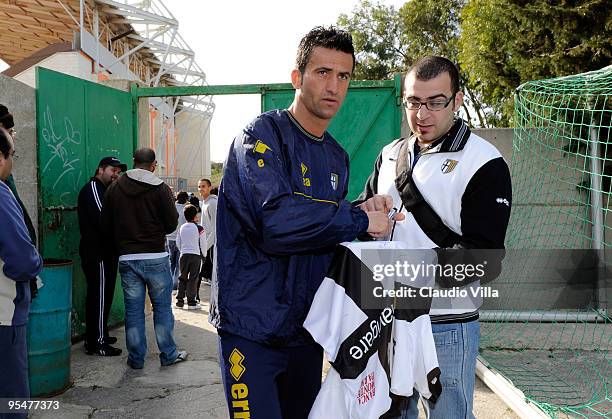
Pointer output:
x,y
454,189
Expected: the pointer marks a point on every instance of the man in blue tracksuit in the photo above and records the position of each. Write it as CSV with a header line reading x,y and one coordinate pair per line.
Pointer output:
x,y
281,210
19,262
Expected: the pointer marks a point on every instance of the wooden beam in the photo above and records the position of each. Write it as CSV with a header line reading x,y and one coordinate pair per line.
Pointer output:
x,y
34,33
16,38
32,28
24,48
46,23
51,17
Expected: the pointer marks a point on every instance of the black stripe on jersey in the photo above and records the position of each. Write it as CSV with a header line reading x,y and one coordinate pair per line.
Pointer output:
x,y
371,338
434,384
348,271
374,334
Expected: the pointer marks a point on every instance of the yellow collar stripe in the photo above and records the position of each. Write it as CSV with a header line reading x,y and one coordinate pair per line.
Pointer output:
x,y
315,199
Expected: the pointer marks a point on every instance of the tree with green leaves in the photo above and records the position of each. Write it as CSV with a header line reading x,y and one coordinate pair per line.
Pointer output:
x,y
505,43
499,44
377,31
388,41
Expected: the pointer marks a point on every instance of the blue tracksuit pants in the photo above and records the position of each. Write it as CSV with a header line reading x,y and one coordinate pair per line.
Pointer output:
x,y
14,365
266,382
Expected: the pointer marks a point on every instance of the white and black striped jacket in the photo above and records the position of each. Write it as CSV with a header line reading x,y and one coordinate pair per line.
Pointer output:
x,y
379,348
464,179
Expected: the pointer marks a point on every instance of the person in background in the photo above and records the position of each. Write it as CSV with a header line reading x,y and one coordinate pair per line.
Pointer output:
x,y
181,200
98,259
19,262
138,213
7,122
190,240
193,200
209,221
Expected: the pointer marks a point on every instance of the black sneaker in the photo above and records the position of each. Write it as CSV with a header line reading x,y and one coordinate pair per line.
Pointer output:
x,y
103,350
111,340
180,303
134,366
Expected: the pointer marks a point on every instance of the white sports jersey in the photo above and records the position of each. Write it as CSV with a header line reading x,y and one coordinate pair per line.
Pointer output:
x,y
377,354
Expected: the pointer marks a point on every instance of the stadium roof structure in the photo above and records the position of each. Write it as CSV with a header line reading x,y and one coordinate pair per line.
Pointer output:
x,y
135,40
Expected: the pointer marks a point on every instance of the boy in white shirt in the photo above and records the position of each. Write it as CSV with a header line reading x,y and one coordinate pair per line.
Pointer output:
x,y
191,241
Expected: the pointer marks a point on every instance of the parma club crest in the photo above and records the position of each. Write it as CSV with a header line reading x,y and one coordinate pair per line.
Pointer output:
x,y
334,181
449,165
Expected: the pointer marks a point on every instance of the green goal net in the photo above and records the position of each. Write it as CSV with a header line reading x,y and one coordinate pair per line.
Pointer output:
x,y
551,336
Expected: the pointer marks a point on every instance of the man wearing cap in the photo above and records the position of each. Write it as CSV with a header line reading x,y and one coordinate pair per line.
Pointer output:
x,y
98,260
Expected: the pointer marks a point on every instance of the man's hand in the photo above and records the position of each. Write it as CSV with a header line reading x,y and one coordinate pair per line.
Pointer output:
x,y
382,203
379,224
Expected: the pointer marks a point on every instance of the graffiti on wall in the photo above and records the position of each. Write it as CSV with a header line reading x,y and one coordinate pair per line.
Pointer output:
x,y
63,142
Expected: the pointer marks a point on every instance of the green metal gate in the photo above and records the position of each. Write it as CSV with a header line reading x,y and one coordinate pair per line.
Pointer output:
x,y
370,116
78,123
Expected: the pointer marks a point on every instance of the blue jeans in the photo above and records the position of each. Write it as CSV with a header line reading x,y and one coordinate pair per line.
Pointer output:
x,y
136,276
457,349
174,254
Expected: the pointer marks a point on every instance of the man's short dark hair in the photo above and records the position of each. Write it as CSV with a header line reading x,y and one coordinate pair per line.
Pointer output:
x,y
320,36
431,66
190,212
5,143
6,118
144,157
182,197
205,180
193,200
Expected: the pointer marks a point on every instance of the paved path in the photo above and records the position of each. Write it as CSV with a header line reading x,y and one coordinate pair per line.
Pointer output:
x,y
105,387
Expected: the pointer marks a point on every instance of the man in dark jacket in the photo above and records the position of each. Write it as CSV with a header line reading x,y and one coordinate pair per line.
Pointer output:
x,y
98,261
138,213
281,210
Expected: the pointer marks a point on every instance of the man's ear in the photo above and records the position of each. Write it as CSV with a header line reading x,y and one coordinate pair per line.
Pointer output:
x,y
458,101
296,78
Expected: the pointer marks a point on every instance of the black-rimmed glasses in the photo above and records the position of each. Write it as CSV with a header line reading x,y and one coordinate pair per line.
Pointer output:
x,y
433,105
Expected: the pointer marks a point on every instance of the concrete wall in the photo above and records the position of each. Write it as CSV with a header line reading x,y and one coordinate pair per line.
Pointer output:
x,y
192,144
72,63
21,102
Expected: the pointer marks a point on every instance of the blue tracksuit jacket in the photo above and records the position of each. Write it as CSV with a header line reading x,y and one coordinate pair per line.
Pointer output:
x,y
281,210
19,262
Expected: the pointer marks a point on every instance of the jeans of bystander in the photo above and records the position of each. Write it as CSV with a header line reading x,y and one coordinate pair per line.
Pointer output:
x,y
136,277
